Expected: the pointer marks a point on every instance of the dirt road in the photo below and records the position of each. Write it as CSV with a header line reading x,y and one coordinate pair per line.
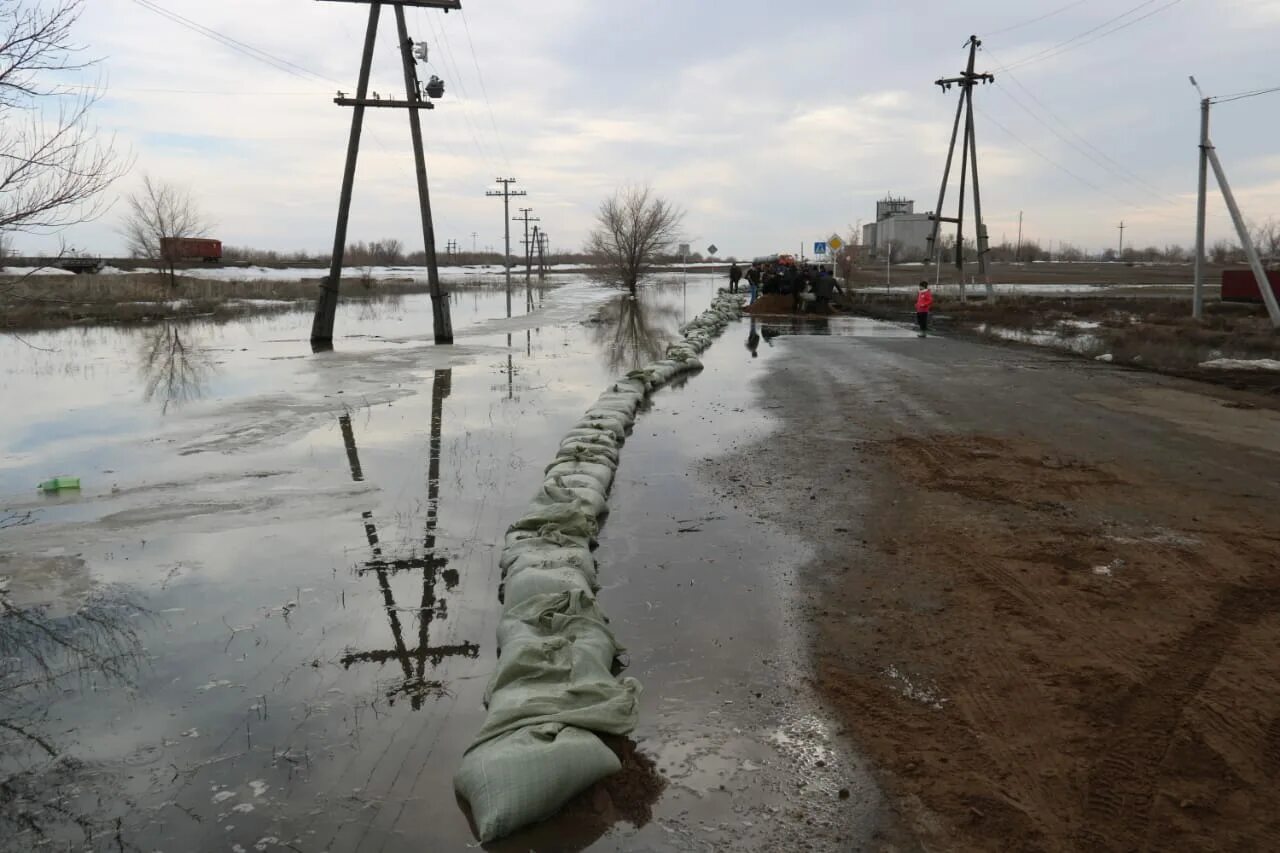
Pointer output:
x,y
1045,596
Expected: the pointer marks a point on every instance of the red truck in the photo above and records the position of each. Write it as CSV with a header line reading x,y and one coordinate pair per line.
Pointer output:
x,y
191,249
1241,286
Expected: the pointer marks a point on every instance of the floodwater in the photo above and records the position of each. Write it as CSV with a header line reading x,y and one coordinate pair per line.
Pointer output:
x,y
267,619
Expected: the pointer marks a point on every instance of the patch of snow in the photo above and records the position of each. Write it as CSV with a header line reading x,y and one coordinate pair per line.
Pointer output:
x,y
1242,364
1106,356
1109,569
914,690
223,796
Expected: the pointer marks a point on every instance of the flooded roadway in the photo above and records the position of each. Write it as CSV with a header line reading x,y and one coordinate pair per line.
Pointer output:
x,y
267,620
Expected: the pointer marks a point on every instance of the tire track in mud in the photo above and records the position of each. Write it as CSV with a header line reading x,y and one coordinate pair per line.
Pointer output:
x,y
1123,784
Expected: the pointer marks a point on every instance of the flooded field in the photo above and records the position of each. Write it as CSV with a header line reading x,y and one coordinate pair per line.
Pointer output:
x,y
266,619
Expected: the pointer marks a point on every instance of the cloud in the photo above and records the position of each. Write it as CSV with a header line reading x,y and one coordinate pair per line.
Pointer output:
x,y
767,128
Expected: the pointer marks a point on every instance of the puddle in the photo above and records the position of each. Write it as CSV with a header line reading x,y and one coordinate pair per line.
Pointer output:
x,y
768,328
1080,343
270,610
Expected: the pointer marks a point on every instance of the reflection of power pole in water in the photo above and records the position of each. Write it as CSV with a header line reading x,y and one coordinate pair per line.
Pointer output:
x,y
413,661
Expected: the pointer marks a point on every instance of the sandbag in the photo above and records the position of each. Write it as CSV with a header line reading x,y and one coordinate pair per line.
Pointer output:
x,y
528,774
577,559
553,686
526,583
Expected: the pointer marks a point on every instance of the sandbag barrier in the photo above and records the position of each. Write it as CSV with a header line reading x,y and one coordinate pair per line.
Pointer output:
x,y
554,687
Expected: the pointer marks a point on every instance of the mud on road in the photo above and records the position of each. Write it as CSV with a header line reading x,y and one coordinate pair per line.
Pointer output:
x,y
1045,597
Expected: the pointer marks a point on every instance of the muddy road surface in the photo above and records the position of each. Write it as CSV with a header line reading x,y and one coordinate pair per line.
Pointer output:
x,y
266,620
1044,593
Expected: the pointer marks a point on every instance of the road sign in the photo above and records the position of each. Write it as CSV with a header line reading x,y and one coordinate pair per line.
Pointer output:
x,y
712,249
834,242
819,248
684,250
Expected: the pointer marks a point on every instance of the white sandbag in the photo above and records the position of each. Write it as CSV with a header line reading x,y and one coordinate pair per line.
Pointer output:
x,y
567,518
522,585
528,774
602,473
569,450
577,559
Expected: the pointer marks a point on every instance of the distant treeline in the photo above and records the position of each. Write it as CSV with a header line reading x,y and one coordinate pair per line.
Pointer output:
x,y
390,252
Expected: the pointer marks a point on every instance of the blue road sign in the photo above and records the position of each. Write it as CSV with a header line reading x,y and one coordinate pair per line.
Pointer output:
x,y
819,248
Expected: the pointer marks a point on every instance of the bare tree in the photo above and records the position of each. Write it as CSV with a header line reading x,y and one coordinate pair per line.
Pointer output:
x,y
633,227
1266,237
160,216
53,168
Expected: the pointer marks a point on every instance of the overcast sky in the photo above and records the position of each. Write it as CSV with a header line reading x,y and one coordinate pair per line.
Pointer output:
x,y
770,123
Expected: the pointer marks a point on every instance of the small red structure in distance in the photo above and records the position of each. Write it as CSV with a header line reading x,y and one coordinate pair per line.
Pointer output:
x,y
192,249
1241,286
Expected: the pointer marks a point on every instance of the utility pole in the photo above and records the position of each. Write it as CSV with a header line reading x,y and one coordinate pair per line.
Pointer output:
x,y
1197,294
1120,255
968,161
1017,253
1209,154
473,242
506,193
417,98
528,254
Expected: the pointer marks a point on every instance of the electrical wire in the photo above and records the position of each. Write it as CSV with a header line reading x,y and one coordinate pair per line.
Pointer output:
x,y
235,44
1043,17
1075,42
1098,156
1053,162
451,68
1239,96
484,90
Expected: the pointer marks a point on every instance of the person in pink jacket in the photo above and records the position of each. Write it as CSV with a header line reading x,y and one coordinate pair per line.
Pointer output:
x,y
924,303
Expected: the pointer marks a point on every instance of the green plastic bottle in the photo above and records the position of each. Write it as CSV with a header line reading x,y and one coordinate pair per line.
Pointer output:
x,y
58,484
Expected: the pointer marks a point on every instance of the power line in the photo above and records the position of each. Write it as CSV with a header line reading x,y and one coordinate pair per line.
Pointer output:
x,y
450,66
484,90
235,44
1239,96
1106,162
1075,42
1053,162
1043,17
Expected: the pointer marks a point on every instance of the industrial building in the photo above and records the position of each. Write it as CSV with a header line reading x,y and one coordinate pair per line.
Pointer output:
x,y
898,224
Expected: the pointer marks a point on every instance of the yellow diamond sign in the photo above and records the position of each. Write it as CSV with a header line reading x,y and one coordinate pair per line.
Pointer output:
x,y
835,242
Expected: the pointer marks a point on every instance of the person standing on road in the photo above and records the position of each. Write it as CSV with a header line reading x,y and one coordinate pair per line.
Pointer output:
x,y
735,276
753,281
924,304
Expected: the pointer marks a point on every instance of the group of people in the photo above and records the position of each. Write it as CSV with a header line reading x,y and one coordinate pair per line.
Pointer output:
x,y
810,285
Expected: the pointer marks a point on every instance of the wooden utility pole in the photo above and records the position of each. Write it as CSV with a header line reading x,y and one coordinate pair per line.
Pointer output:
x,y
968,163
416,99
506,194
1120,254
528,247
1017,253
